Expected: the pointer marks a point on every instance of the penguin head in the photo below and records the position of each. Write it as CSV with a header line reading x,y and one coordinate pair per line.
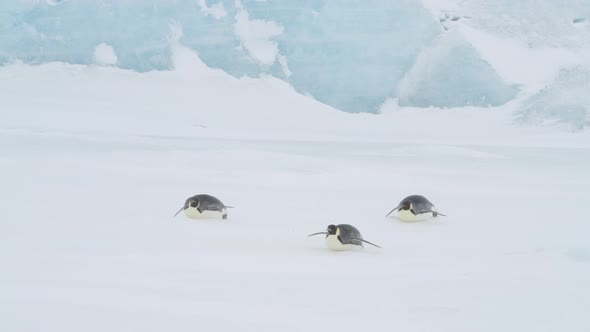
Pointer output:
x,y
193,202
332,229
189,203
405,205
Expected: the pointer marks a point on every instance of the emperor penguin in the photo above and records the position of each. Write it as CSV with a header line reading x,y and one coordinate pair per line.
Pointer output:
x,y
416,208
343,237
204,206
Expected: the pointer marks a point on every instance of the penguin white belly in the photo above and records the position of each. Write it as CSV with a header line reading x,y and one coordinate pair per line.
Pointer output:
x,y
193,213
406,215
333,243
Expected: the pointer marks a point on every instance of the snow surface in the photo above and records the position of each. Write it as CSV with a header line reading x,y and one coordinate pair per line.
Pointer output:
x,y
95,161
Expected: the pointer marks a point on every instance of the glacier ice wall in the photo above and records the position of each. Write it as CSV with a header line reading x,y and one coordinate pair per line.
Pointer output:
x,y
351,54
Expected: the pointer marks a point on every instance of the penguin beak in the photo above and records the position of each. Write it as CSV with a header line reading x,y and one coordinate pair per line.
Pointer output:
x,y
325,233
182,208
396,208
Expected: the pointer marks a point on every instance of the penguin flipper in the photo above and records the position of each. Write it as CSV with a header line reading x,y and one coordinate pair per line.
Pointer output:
x,y
420,209
429,210
350,240
212,207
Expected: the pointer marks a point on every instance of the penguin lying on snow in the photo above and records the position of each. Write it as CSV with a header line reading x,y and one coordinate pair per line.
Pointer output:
x,y
204,207
416,208
343,237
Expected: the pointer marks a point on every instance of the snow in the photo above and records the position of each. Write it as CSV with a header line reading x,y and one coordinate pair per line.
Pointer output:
x,y
566,100
216,10
54,2
96,160
517,63
453,60
256,36
105,55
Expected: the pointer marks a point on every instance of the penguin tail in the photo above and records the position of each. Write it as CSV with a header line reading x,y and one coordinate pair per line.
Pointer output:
x,y
365,241
436,214
229,207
